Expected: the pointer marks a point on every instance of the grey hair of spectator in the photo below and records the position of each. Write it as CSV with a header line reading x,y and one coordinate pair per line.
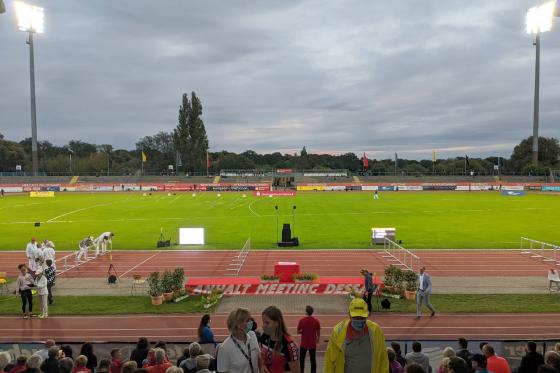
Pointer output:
x,y
414,368
65,365
34,361
4,360
49,343
159,354
195,349
174,369
53,351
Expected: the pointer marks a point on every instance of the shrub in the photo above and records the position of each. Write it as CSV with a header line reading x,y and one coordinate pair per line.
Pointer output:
x,y
154,284
305,276
167,282
270,278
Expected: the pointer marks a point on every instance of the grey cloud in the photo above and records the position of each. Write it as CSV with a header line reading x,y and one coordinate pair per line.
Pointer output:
x,y
334,76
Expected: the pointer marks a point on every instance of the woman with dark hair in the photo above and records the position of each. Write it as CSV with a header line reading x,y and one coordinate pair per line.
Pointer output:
x,y
67,351
23,288
278,350
254,327
140,352
205,334
87,351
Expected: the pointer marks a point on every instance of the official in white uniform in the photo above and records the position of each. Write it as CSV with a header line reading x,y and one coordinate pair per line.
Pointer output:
x,y
102,241
84,245
31,251
48,251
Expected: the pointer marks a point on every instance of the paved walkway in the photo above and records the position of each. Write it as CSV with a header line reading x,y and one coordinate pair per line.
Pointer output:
x,y
441,285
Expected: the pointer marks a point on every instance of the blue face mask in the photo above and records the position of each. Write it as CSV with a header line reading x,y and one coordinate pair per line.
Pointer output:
x,y
359,324
249,326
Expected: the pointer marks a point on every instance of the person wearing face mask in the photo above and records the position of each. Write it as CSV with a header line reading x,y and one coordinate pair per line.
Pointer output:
x,y
279,352
356,344
239,353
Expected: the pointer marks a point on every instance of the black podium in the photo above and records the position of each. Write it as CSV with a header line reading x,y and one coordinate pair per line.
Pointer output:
x,y
287,239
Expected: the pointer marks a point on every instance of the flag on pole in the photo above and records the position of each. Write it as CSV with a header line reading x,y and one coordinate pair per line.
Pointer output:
x,y
434,156
365,161
208,160
467,160
144,158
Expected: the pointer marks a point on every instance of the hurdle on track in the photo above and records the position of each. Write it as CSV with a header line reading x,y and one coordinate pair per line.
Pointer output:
x,y
547,252
239,259
401,256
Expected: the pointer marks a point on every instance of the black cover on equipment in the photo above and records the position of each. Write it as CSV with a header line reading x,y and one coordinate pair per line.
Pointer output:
x,y
286,233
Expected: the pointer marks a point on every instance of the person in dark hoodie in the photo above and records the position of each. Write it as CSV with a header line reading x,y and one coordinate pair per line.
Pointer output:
x,y
532,359
50,365
140,353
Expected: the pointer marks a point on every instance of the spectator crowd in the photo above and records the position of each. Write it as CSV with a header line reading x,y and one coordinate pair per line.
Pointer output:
x,y
355,345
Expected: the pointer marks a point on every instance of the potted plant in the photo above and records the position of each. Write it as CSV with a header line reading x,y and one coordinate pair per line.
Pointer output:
x,y
411,284
155,291
305,277
178,279
167,285
210,299
393,278
270,278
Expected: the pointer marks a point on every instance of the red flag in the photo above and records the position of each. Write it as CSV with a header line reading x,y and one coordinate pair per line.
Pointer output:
x,y
365,161
208,160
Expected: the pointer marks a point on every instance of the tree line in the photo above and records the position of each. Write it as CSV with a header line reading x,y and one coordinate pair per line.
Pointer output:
x,y
185,148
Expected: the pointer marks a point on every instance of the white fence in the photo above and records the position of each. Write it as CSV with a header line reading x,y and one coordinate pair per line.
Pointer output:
x,y
547,252
401,256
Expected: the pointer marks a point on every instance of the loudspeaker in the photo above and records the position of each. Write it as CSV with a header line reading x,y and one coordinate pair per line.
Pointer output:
x,y
286,233
112,279
37,224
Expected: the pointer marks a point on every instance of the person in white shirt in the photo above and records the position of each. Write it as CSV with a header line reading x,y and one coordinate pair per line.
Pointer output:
x,y
31,251
424,292
240,351
102,241
48,251
43,292
84,245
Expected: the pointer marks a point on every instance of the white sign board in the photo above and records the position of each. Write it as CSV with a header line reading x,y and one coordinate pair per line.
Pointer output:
x,y
191,236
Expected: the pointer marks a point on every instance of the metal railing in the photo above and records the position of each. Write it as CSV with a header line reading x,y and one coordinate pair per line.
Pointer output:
x,y
547,252
238,260
401,256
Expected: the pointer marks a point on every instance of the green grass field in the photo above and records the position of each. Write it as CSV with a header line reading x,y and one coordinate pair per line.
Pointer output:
x,y
323,219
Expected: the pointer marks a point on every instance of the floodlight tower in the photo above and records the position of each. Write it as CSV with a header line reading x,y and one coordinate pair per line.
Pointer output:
x,y
30,19
538,20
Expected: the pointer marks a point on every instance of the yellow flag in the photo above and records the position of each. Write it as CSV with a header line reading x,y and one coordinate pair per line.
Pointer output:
x,y
434,156
144,158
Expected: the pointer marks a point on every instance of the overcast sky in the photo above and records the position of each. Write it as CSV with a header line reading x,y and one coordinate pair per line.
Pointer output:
x,y
362,76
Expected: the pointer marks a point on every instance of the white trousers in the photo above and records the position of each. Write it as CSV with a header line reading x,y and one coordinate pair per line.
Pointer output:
x,y
83,252
103,246
44,304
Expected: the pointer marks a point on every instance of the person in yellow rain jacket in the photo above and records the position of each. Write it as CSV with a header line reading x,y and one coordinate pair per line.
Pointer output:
x,y
356,344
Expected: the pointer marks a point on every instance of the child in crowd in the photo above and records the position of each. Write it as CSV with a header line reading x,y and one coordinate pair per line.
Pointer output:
x,y
50,274
116,361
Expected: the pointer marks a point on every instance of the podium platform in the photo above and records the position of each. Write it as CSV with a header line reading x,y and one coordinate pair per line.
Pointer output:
x,y
286,270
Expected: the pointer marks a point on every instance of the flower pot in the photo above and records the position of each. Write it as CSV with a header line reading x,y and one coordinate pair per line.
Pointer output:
x,y
270,281
158,300
410,295
168,296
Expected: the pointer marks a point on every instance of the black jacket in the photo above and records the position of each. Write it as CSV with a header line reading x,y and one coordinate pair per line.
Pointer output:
x,y
530,362
139,356
50,365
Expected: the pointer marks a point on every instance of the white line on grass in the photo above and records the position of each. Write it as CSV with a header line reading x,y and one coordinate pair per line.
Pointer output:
x,y
73,211
253,211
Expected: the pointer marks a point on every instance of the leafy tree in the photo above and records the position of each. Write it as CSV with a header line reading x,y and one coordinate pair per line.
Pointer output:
x,y
549,151
12,154
189,136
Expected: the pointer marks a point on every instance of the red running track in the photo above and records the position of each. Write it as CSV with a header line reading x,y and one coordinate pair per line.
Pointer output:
x,y
340,263
182,328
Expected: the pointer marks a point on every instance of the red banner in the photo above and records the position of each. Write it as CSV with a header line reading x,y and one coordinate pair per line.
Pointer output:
x,y
275,193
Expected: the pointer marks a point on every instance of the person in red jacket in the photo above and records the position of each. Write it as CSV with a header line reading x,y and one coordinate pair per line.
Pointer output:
x,y
495,363
116,362
20,364
161,363
310,329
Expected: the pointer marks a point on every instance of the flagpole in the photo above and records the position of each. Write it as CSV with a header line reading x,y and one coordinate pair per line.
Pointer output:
x,y
142,161
207,174
465,167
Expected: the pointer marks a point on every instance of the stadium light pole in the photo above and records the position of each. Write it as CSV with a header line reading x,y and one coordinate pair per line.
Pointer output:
x,y
30,19
538,20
